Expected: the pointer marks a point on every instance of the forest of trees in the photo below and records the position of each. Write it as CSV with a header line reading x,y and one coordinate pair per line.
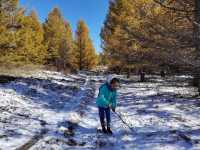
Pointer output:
x,y
149,35
152,35
24,40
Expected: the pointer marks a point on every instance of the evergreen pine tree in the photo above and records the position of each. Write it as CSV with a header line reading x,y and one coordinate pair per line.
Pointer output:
x,y
85,52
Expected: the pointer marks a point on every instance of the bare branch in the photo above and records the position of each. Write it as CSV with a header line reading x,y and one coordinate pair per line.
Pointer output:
x,y
173,8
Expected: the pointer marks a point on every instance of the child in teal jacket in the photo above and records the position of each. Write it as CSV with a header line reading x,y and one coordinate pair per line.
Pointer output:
x,y
106,100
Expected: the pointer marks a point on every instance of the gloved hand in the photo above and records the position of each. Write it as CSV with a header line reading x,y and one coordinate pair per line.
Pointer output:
x,y
113,109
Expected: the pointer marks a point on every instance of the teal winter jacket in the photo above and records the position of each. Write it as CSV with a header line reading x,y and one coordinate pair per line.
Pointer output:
x,y
106,97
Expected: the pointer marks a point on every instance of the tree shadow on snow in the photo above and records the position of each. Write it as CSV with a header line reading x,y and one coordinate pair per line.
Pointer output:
x,y
47,93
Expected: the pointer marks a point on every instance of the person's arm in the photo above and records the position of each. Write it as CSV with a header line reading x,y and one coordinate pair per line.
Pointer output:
x,y
114,103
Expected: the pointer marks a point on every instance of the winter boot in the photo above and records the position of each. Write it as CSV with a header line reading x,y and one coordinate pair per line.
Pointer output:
x,y
109,130
104,129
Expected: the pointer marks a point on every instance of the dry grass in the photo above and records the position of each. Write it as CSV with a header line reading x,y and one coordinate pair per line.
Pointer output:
x,y
20,71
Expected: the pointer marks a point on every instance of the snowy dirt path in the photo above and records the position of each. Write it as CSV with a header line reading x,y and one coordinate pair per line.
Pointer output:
x,y
59,112
39,107
150,116
159,116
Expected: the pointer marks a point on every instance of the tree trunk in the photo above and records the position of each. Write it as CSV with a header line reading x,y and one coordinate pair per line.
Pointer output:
x,y
142,76
128,73
197,26
197,42
162,73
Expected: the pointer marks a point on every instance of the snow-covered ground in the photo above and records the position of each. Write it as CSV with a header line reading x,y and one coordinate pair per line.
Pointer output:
x,y
52,111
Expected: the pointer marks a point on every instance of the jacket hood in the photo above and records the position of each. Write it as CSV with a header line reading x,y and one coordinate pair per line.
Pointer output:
x,y
109,78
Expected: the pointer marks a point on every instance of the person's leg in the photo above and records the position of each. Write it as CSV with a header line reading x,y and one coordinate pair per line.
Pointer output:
x,y
102,116
108,119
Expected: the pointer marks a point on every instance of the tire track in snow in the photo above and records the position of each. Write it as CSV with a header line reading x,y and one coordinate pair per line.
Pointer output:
x,y
84,97
33,140
81,97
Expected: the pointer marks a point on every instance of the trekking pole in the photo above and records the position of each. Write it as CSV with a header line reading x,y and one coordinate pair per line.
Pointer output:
x,y
119,116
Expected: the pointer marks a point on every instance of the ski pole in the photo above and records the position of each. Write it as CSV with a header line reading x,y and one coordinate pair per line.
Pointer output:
x,y
119,116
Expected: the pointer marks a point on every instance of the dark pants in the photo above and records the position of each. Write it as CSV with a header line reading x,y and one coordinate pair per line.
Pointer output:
x,y
102,113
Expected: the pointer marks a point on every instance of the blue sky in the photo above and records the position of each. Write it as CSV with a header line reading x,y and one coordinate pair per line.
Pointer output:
x,y
93,12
